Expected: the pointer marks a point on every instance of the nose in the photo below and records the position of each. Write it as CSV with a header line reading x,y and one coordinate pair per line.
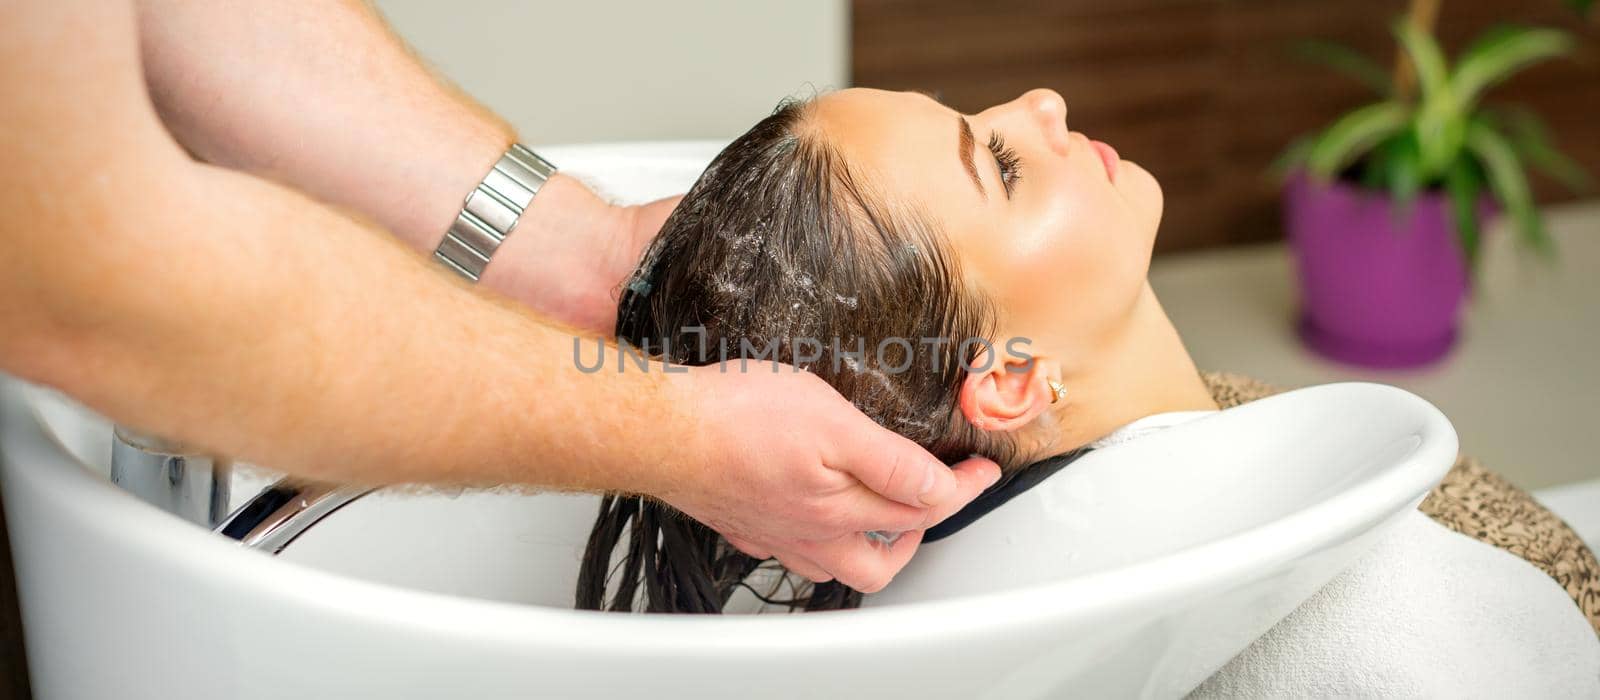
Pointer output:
x,y
1047,106
1046,109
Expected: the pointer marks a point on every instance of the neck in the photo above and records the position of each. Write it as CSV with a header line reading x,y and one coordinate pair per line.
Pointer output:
x,y
1143,371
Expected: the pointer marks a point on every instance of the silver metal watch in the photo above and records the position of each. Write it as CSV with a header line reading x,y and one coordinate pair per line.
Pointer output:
x,y
492,209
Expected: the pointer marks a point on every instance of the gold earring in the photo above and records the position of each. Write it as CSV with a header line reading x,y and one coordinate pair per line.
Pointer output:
x,y
1057,390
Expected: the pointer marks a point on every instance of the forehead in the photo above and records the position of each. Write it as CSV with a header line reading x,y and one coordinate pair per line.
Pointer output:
x,y
905,142
863,112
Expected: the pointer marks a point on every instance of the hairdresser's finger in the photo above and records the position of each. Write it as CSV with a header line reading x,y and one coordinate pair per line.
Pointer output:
x,y
889,464
865,510
973,476
803,566
862,563
748,548
861,509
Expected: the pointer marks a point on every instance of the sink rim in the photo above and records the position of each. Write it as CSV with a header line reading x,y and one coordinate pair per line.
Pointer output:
x,y
31,452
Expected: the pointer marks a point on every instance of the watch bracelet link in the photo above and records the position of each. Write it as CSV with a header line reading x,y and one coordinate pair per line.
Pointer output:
x,y
491,210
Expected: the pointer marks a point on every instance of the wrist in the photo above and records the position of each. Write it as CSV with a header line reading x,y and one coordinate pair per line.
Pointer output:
x,y
555,259
570,252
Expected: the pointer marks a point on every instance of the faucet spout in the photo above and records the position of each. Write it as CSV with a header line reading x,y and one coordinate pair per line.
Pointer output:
x,y
284,511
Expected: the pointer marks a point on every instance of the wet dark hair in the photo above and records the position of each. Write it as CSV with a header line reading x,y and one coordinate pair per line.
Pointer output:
x,y
780,240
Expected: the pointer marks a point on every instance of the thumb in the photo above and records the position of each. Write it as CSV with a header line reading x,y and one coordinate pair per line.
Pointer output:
x,y
973,476
893,466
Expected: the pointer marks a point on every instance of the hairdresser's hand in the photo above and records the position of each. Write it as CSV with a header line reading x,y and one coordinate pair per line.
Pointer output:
x,y
790,469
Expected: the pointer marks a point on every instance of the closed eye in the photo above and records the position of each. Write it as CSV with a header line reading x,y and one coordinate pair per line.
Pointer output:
x,y
1006,160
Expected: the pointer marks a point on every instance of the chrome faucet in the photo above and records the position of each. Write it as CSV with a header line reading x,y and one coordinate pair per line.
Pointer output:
x,y
171,476
196,487
284,511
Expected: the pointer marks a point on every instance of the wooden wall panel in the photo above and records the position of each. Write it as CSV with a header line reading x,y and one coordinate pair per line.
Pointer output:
x,y
1204,93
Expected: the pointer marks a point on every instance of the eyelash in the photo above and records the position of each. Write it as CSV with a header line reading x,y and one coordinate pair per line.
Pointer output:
x,y
1010,163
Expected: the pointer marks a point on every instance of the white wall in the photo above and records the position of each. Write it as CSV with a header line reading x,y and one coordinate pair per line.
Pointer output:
x,y
612,70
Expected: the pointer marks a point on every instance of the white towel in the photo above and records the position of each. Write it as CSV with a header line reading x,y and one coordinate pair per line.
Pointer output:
x,y
1427,613
1148,424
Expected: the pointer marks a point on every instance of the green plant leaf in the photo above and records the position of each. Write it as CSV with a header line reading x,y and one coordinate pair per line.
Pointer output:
x,y
1353,134
1352,63
1441,132
1509,183
1428,59
1403,171
1373,169
1499,54
1464,188
1291,159
1439,123
1581,6
1532,141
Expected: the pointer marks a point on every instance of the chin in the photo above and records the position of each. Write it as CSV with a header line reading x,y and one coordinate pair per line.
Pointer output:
x,y
1142,191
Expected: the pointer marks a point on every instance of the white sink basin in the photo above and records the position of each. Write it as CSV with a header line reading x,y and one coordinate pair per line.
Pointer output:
x,y
1136,572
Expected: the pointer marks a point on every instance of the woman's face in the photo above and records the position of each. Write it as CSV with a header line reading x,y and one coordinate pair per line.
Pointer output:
x,y
1051,225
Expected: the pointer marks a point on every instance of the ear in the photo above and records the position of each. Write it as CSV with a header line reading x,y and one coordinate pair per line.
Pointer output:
x,y
1003,392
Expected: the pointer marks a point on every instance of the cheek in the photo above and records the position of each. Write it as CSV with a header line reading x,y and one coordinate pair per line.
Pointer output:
x,y
1081,261
1095,235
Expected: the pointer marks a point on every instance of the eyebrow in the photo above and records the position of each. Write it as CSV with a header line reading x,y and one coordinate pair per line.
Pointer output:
x,y
965,142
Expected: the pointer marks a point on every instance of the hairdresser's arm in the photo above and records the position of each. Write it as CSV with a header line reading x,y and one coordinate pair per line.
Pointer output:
x,y
233,313
320,95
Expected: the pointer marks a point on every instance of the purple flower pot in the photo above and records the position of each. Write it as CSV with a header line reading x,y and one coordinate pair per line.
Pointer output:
x,y
1377,288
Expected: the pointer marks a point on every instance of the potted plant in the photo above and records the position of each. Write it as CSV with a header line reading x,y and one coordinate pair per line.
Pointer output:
x,y
1384,208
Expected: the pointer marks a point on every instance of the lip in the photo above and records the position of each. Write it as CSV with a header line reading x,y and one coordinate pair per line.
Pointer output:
x,y
1108,156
